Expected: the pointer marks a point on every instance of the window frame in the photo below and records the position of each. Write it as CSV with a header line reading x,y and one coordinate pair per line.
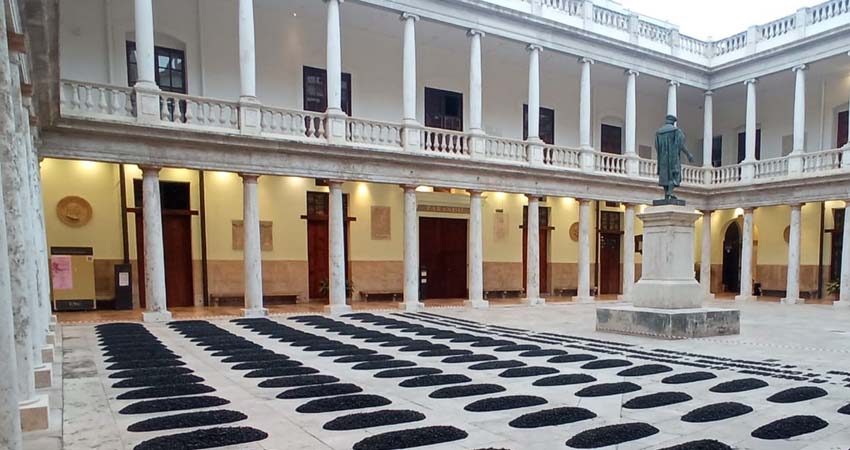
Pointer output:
x,y
132,66
546,132
322,96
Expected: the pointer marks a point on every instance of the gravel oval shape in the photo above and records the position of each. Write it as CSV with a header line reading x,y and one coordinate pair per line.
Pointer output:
x,y
423,347
643,370
469,358
270,364
298,380
444,352
504,403
188,420
151,372
240,350
362,358
797,394
466,390
605,389
789,427
146,364
542,352
741,385
165,380
717,411
606,364
689,377
166,391
140,356
321,390
530,371
491,365
206,438
552,417
342,403
374,419
407,372
347,352
656,400
411,438
705,444
565,380
578,357
844,409
252,357
611,435
173,404
389,364
281,372
434,380
517,348
493,343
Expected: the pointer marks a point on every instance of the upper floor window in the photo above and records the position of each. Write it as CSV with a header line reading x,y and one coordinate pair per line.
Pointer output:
x,y
546,124
443,109
170,71
316,90
717,151
742,145
842,128
611,139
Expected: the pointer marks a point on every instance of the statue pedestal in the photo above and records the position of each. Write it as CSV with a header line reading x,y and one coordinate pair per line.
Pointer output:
x,y
667,301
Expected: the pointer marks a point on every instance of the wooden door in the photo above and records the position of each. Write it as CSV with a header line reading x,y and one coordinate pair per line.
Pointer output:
x,y
609,263
842,128
544,248
717,151
742,145
318,241
612,139
732,258
442,254
838,217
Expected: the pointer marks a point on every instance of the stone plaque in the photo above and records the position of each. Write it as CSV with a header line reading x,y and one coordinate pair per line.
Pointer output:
x,y
787,234
500,226
574,231
266,236
443,209
74,211
381,223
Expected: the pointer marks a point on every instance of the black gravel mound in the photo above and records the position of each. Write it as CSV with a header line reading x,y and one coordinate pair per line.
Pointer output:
x,y
717,411
300,380
656,400
517,348
166,380
552,417
153,371
254,365
579,357
611,435
240,350
373,419
789,427
565,380
462,338
845,409
188,420
797,394
530,371
604,389
347,352
491,365
506,402
401,342
321,390
362,358
468,359
328,347
434,380
493,343
145,364
408,372
173,404
207,438
744,384
253,357
646,369
423,347
343,403
467,390
444,352
141,356
606,364
689,377
166,391
411,438
377,365
700,445
539,353
280,372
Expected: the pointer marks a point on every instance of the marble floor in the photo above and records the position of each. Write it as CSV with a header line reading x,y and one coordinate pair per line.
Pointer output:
x,y
368,362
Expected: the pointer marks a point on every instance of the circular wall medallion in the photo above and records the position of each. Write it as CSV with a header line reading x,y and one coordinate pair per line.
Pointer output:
x,y
574,232
787,234
74,211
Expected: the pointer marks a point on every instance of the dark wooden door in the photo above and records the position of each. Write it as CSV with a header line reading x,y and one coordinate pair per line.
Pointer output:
x,y
442,254
732,258
612,139
609,263
318,241
742,145
717,151
443,109
544,248
842,128
546,124
838,216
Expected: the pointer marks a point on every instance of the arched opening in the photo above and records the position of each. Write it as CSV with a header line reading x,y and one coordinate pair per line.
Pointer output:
x,y
732,258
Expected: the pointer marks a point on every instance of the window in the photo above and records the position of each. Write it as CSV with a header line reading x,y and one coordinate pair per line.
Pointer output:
x,y
315,87
742,145
612,139
717,151
170,72
443,109
547,124
842,128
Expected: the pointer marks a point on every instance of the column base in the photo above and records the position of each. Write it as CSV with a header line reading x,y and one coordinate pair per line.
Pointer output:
x,y
51,338
841,304
43,376
156,316
745,298
35,415
533,301
54,319
255,313
624,298
47,354
476,304
336,310
709,297
579,299
793,301
406,306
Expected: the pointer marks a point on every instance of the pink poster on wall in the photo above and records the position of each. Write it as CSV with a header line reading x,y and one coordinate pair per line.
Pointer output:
x,y
60,272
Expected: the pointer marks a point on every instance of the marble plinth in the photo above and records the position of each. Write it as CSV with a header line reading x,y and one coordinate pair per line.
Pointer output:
x,y
35,415
476,304
43,376
405,306
337,310
533,301
255,313
47,353
668,323
156,316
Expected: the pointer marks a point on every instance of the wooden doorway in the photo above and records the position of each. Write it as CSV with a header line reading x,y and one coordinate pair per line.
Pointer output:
x,y
732,258
841,137
838,218
742,145
176,239
611,139
318,241
442,254
544,248
610,236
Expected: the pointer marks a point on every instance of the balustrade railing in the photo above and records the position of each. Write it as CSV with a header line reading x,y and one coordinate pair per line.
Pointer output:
x,y
569,158
654,32
183,109
693,45
730,44
292,123
372,132
771,168
726,174
828,10
94,100
609,18
693,175
822,161
647,168
571,7
778,27
610,163
445,142
505,149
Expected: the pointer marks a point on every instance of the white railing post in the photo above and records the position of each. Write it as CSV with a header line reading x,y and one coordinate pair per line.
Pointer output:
x,y
752,39
675,42
634,28
631,119
801,21
707,135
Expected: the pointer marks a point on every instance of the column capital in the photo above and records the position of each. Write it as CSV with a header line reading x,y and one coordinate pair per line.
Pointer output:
x,y
249,177
407,16
335,183
799,68
797,205
584,60
533,47
749,210
584,200
706,212
533,197
408,187
474,192
752,81
673,83
708,93
474,32
632,72
149,169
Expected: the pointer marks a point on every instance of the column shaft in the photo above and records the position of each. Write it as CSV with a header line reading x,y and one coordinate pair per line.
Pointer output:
x,y
409,68
747,258
247,51
800,109
792,290
584,105
672,98
253,257
844,293
631,112
583,295
532,254
334,59
705,255
476,252
157,310
707,129
533,93
411,250
751,121
145,63
628,252
337,282
475,81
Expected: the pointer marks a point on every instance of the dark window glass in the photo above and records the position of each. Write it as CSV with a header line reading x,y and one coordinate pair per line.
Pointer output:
x,y
547,124
742,145
443,109
170,70
315,89
612,139
842,128
717,151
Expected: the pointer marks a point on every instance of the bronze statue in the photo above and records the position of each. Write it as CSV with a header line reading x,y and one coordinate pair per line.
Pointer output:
x,y
669,143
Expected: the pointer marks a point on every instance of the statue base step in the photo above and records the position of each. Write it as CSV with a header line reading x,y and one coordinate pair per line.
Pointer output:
x,y
668,323
668,202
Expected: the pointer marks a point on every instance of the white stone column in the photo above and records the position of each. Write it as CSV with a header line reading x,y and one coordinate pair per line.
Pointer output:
x,y
476,253
795,159
705,256
532,254
411,251
628,253
792,289
147,92
583,295
748,165
252,253
535,148
844,292
631,112
249,107
412,128
845,154
585,143
707,134
672,98
336,239
336,117
747,258
475,82
157,310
